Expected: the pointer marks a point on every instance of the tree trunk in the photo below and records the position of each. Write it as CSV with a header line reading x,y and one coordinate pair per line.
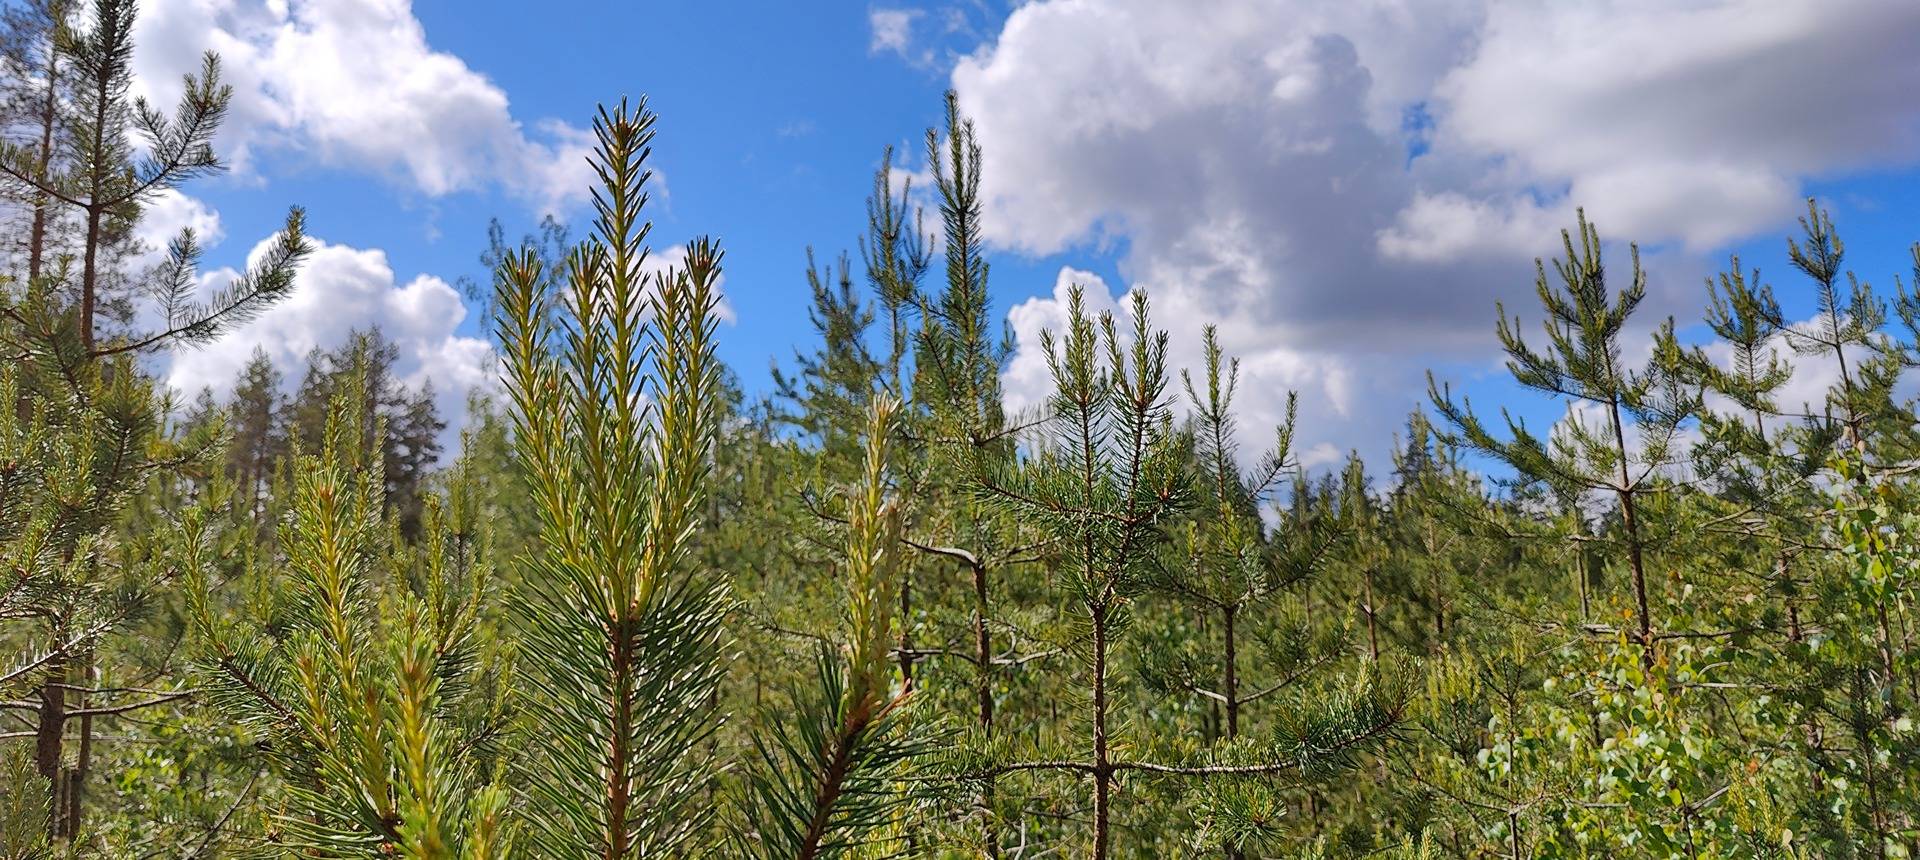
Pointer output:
x,y
906,626
49,110
1232,679
983,645
77,778
1102,767
89,277
618,782
1580,582
96,209
1855,438
1634,560
983,652
1439,596
1232,693
49,737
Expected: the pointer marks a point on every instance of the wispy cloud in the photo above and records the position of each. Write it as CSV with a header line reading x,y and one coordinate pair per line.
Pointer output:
x,y
892,30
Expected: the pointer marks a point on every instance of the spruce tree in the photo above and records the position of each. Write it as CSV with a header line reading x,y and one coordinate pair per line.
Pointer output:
x,y
402,424
258,442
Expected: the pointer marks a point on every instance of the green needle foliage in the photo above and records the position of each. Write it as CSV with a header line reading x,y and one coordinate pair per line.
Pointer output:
x,y
826,778
1585,319
1852,318
1228,564
878,612
81,440
616,406
1106,480
361,671
1109,476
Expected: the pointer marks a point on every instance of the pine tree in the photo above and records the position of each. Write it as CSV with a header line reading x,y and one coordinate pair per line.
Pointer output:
x,y
1443,561
1106,480
1228,566
615,411
258,443
32,97
82,420
1850,320
826,780
1225,560
363,672
896,258
1856,676
957,364
106,178
832,387
1585,321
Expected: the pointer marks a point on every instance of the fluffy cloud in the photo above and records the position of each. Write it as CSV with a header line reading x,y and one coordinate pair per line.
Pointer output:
x,y
1243,156
353,83
661,260
168,212
1692,121
341,289
162,219
1329,389
1347,186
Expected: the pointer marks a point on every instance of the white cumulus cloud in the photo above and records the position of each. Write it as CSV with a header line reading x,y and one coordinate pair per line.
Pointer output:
x,y
1347,186
338,290
355,84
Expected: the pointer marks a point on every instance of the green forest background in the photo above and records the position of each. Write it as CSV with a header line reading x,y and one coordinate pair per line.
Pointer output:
x,y
875,613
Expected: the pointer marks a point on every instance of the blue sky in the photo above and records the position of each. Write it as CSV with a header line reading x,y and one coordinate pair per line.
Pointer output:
x,y
1346,187
773,118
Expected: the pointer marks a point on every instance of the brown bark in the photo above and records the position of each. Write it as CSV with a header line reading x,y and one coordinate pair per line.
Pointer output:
x,y
49,740
1635,562
1232,693
832,782
96,211
983,653
619,781
1439,597
76,779
1102,766
983,644
906,626
1232,679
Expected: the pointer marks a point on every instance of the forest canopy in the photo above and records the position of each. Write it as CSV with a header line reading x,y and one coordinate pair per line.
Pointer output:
x,y
876,611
